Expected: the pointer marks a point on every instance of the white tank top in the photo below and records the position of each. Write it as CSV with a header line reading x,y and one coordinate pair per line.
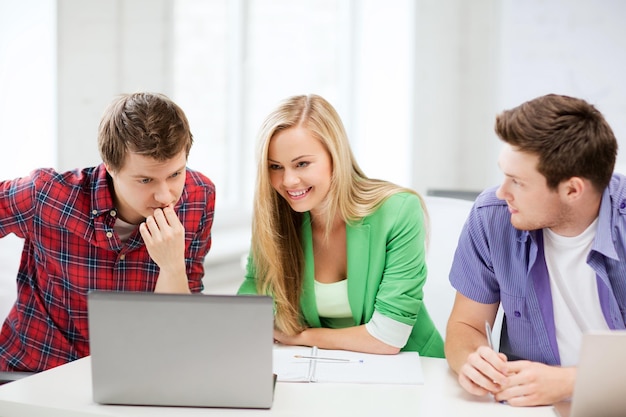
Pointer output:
x,y
332,299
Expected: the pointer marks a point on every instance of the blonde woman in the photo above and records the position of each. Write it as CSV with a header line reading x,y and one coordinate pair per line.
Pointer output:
x,y
342,255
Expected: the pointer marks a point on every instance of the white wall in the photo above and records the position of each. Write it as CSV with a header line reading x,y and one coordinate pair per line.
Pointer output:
x,y
27,86
455,86
568,47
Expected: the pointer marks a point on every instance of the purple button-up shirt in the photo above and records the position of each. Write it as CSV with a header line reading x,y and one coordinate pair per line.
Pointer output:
x,y
494,262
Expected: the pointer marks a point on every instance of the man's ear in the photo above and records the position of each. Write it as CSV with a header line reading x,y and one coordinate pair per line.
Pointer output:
x,y
110,171
573,188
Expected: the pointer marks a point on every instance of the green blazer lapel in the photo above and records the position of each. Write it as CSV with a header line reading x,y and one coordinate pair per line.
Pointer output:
x,y
357,252
307,297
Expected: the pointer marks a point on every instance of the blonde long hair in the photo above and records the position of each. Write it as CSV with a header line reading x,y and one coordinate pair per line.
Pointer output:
x,y
276,241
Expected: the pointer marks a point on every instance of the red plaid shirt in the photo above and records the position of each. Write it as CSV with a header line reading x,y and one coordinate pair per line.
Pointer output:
x,y
70,247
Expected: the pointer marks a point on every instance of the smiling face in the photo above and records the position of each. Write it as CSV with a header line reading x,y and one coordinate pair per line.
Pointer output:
x,y
532,204
144,184
300,169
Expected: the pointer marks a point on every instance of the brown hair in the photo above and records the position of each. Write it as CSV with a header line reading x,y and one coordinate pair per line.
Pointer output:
x,y
570,136
148,124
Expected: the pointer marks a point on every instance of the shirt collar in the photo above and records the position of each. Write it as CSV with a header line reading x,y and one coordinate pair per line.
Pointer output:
x,y
603,243
101,187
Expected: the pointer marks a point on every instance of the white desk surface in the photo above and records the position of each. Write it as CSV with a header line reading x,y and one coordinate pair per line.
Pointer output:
x,y
66,392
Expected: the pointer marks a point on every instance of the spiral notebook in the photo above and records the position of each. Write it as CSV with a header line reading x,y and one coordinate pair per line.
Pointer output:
x,y
310,364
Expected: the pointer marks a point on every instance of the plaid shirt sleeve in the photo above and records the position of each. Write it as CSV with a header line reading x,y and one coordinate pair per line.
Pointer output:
x,y
198,221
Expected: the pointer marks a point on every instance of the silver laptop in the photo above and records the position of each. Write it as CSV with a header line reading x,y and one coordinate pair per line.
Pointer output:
x,y
181,350
600,377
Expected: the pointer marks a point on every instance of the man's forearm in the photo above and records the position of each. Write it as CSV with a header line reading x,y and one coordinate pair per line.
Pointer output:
x,y
461,340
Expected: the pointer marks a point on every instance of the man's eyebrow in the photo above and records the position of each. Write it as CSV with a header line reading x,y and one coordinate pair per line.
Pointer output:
x,y
182,168
506,174
149,177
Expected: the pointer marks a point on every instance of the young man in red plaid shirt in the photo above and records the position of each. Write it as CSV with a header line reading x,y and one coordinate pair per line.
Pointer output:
x,y
140,221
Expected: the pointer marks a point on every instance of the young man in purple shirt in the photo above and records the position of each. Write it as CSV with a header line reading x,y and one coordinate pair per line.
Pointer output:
x,y
548,246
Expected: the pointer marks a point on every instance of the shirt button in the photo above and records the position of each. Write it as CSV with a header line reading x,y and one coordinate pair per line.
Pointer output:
x,y
94,212
113,213
622,205
517,314
109,234
122,257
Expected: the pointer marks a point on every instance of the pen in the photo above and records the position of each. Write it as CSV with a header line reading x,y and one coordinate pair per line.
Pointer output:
x,y
492,346
320,358
489,337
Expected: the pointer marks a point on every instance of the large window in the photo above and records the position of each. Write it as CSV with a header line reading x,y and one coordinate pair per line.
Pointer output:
x,y
234,60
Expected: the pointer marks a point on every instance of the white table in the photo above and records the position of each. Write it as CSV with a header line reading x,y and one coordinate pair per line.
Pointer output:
x,y
66,392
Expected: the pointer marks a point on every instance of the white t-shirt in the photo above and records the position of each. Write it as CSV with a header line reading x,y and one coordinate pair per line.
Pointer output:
x,y
123,229
574,287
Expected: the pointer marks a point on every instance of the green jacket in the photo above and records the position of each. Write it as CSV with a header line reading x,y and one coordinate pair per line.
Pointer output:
x,y
386,271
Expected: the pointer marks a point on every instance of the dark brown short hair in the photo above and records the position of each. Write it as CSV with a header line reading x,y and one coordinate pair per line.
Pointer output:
x,y
570,136
148,124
